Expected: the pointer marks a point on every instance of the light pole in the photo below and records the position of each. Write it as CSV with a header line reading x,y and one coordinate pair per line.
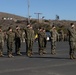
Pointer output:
x,y
28,12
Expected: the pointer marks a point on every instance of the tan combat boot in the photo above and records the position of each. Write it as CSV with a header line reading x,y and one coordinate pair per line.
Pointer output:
x,y
41,52
44,52
53,52
10,55
29,53
74,57
71,56
18,52
1,54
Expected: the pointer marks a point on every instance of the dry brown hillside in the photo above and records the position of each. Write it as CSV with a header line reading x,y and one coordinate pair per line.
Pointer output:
x,y
7,19
8,15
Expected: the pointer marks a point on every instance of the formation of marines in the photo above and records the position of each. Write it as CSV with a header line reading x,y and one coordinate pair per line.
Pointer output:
x,y
14,37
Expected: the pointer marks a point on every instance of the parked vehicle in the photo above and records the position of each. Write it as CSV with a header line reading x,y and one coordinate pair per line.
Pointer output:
x,y
48,36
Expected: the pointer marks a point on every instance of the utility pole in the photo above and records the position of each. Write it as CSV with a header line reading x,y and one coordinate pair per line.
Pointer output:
x,y
43,19
28,12
38,15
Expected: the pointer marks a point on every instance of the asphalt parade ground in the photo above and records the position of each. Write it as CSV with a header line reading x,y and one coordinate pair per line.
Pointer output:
x,y
47,64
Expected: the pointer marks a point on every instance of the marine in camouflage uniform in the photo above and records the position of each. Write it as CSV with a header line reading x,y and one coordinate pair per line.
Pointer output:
x,y
72,41
44,41
29,39
32,38
1,42
54,35
18,37
40,41
10,41
25,36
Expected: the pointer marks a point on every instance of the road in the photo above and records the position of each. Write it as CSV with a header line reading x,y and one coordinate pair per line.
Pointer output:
x,y
47,64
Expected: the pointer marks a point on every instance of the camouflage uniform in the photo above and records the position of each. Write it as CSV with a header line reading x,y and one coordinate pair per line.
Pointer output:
x,y
44,41
18,37
54,34
25,29
40,41
10,42
1,43
72,42
30,40
61,35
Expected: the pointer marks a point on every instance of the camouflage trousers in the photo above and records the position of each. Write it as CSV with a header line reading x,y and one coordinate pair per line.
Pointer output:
x,y
17,45
1,47
72,47
53,47
29,46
